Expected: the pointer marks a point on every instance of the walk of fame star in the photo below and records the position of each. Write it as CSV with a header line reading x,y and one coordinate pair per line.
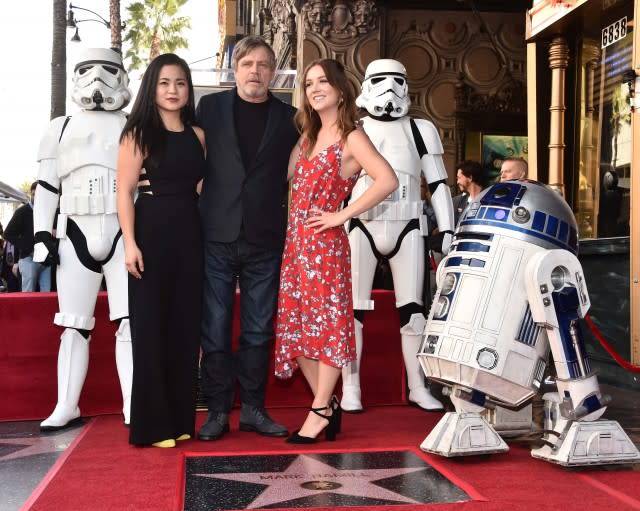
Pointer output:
x,y
370,478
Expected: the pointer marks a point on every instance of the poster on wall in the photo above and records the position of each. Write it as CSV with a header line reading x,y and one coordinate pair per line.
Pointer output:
x,y
496,148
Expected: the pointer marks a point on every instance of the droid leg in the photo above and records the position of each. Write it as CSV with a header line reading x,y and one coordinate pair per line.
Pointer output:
x,y
411,334
570,442
124,364
73,362
511,423
351,401
573,435
464,432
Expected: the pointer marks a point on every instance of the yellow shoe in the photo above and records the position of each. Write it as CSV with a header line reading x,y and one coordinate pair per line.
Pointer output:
x,y
183,437
165,443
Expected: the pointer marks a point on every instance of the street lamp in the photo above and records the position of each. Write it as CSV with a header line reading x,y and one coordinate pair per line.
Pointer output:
x,y
72,22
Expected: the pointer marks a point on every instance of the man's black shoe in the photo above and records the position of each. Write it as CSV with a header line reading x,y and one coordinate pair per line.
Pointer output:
x,y
217,424
254,418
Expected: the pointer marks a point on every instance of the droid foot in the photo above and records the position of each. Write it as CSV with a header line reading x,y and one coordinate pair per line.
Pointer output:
x,y
351,402
62,417
463,434
422,398
601,442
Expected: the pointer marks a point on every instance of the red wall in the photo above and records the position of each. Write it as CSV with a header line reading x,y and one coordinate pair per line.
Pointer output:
x,y
29,347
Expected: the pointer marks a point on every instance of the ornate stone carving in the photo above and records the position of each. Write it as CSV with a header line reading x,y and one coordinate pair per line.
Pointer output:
x,y
278,27
365,16
268,27
416,29
511,97
340,19
315,15
280,11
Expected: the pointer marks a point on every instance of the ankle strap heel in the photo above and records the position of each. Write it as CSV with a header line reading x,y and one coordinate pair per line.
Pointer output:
x,y
333,428
318,410
337,411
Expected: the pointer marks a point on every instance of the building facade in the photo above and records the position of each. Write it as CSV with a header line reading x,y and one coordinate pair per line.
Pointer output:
x,y
582,62
550,80
466,61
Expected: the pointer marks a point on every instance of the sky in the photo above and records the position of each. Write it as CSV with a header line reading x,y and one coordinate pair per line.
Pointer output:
x,y
25,81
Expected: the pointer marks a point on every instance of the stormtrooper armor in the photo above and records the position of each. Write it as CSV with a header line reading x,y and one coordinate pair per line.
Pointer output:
x,y
510,289
77,173
395,228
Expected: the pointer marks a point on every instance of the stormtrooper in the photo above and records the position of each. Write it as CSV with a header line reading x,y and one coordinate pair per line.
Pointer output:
x,y
394,229
77,173
511,289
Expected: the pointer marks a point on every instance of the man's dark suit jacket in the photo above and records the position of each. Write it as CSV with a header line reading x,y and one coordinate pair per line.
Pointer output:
x,y
233,196
460,203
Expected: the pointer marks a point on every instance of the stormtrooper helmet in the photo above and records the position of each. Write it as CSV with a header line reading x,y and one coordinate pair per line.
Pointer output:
x,y
384,90
100,81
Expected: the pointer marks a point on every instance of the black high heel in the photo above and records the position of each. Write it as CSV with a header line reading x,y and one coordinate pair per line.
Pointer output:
x,y
329,432
337,412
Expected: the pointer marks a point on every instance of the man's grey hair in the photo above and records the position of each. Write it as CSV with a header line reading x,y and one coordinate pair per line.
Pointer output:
x,y
247,45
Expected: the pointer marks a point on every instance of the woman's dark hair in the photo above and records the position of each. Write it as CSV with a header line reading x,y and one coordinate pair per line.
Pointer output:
x,y
144,123
308,120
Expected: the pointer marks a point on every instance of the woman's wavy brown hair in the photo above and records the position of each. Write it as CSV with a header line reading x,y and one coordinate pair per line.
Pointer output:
x,y
307,119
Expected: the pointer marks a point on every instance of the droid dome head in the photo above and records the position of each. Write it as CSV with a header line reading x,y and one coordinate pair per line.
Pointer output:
x,y
384,90
100,81
525,210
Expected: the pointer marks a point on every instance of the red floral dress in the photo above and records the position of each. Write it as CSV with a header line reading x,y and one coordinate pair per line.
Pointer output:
x,y
315,304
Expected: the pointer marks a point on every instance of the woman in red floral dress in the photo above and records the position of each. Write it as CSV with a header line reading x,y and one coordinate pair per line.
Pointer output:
x,y
315,312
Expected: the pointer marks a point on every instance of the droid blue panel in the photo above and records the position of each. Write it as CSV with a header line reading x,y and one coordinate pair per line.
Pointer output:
x,y
539,219
564,232
503,194
552,226
468,246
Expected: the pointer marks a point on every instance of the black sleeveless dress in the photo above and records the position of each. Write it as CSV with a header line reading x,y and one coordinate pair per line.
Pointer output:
x,y
165,305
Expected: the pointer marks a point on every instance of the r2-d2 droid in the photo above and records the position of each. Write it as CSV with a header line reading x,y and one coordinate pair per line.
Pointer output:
x,y
510,288
77,171
395,229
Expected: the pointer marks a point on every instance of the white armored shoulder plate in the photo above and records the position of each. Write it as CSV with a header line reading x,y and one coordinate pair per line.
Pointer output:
x,y
49,142
430,136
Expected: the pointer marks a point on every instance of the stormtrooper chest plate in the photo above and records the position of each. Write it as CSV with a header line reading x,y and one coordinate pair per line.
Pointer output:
x,y
394,141
90,139
87,158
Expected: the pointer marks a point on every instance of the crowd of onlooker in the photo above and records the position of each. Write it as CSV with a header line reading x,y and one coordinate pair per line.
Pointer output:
x,y
9,281
18,271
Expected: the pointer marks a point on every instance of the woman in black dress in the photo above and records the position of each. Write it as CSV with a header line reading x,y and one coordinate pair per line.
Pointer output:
x,y
162,158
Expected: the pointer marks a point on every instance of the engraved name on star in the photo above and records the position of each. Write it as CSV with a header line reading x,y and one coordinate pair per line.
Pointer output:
x,y
307,476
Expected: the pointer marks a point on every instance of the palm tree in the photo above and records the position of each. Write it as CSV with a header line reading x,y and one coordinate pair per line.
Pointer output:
x,y
59,60
153,28
115,23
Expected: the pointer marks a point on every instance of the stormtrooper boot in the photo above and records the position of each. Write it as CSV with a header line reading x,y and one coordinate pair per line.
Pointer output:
x,y
351,377
124,364
419,394
73,361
